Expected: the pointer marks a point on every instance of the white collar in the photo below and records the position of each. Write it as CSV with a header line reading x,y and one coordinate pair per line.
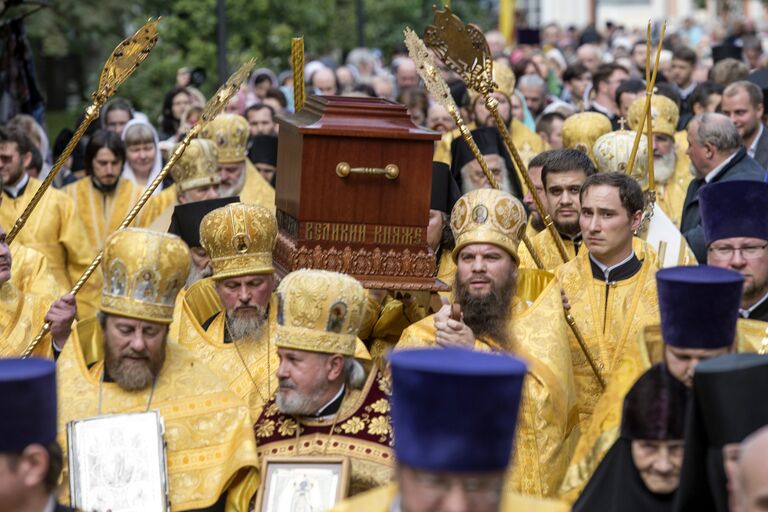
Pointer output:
x,y
688,90
714,172
395,506
752,149
746,312
606,270
51,505
603,110
13,190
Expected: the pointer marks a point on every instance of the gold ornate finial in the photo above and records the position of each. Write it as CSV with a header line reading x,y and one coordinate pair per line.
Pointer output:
x,y
122,62
463,48
429,73
125,58
297,63
219,100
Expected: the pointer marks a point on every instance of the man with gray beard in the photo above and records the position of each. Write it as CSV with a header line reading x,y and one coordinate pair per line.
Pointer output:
x,y
185,223
325,405
226,319
467,171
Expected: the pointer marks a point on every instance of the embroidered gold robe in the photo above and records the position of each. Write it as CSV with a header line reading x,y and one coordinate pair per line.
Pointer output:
x,y
21,317
610,318
548,425
603,431
670,195
359,430
248,367
256,190
382,498
102,212
55,230
547,250
160,209
208,431
30,273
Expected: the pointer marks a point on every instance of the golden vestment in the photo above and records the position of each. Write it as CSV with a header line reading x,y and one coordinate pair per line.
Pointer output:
x,y
610,317
360,430
208,432
528,143
256,190
160,209
548,427
530,231
30,273
102,212
547,251
253,384
21,317
55,230
248,368
380,500
603,430
670,195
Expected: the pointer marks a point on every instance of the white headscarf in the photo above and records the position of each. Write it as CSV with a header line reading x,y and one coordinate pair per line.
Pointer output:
x,y
157,166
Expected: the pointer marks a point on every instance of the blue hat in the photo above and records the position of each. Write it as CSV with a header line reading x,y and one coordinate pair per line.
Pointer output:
x,y
734,209
699,306
28,403
454,409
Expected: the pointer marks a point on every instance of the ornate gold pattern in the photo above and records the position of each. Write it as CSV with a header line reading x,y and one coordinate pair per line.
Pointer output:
x,y
230,133
143,272
319,311
612,152
496,218
664,116
239,238
581,131
198,166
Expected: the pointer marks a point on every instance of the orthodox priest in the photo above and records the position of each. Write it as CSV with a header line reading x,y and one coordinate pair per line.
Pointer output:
x,y
238,175
611,291
450,456
123,362
103,198
486,224
325,404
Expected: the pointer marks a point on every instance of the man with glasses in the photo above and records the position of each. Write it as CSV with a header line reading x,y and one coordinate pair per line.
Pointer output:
x,y
734,216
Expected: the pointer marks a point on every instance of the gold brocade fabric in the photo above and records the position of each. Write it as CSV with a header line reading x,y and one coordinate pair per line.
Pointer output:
x,y
158,210
55,230
30,273
530,231
162,221
670,196
256,190
547,250
200,303
752,336
210,443
528,143
360,430
21,317
381,499
548,424
102,213
609,319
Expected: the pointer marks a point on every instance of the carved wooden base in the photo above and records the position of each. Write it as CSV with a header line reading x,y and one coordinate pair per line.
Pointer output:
x,y
395,269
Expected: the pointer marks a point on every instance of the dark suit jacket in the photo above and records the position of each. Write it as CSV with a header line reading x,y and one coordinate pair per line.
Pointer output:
x,y
742,167
614,119
761,152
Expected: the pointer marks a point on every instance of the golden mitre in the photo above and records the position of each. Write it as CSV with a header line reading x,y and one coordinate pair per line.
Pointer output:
x,y
143,272
239,239
230,133
198,166
488,216
612,152
505,80
664,115
319,311
581,131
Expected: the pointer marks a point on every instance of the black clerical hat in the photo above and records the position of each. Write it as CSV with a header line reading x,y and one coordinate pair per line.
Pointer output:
x,y
445,192
186,218
263,150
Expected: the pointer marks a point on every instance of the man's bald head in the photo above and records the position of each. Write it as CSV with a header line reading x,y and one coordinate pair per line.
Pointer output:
x,y
753,473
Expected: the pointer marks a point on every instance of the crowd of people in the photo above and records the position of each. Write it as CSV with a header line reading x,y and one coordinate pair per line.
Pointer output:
x,y
606,354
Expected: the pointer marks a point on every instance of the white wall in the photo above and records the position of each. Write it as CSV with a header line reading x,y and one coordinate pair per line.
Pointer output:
x,y
576,12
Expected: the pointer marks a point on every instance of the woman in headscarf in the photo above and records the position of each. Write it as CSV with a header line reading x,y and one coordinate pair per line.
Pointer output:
x,y
143,160
641,471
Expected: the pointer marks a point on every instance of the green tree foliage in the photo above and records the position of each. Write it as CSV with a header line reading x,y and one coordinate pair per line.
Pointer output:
x,y
89,29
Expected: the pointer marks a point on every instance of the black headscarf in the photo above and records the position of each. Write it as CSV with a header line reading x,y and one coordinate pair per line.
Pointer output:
x,y
654,409
727,406
263,150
